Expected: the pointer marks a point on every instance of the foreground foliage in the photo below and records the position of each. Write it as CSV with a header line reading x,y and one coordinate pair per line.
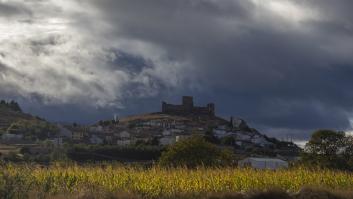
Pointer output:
x,y
329,149
194,152
25,181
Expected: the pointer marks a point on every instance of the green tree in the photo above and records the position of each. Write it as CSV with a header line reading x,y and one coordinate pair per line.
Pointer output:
x,y
348,150
154,141
210,137
14,106
325,142
194,152
327,149
229,140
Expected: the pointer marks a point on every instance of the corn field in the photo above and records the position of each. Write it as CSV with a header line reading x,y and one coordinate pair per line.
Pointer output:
x,y
17,181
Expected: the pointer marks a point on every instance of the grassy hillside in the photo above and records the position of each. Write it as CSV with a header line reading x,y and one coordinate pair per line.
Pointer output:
x,y
188,119
8,116
10,112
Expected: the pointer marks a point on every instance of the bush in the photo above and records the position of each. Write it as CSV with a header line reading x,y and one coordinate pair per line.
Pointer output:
x,y
194,152
14,186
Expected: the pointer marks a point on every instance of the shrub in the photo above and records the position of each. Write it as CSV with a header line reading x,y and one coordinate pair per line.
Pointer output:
x,y
329,149
14,186
194,152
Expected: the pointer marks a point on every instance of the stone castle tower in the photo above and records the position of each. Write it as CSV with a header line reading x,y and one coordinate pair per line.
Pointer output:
x,y
187,107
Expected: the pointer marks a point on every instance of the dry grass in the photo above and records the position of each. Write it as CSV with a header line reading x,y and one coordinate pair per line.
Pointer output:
x,y
131,182
152,116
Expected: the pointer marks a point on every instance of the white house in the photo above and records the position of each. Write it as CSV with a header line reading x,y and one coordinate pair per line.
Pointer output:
x,y
180,126
94,139
124,135
124,139
96,129
167,140
123,142
175,131
57,142
9,136
263,163
220,133
179,138
260,140
222,127
64,132
166,132
244,136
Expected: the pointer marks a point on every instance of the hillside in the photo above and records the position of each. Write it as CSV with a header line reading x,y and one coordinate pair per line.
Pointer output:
x,y
190,120
179,121
168,128
9,115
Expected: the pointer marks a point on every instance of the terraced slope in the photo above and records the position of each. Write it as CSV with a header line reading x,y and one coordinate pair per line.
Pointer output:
x,y
8,116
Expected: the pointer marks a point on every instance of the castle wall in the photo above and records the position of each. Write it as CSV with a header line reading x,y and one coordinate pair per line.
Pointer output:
x,y
202,110
171,108
188,108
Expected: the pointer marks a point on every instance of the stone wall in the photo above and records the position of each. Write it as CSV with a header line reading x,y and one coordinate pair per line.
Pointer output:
x,y
188,108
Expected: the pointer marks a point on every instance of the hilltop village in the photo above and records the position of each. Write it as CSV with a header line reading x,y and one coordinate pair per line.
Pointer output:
x,y
176,122
172,124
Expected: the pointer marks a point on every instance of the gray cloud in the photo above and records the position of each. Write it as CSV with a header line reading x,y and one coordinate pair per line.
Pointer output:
x,y
10,9
283,65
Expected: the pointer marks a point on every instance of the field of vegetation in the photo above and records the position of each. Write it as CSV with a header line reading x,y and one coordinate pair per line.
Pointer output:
x,y
23,181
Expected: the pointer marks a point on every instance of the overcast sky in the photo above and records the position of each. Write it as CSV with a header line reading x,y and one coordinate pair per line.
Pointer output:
x,y
285,66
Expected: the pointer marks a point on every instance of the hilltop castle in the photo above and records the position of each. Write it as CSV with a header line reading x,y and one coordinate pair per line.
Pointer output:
x,y
187,107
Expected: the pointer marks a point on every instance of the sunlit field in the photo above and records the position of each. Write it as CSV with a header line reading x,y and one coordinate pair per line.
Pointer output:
x,y
24,181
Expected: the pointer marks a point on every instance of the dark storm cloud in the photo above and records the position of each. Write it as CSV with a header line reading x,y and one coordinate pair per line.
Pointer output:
x,y
289,74
129,63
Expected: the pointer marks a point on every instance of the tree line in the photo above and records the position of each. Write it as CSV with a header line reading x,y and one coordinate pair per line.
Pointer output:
x,y
12,105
